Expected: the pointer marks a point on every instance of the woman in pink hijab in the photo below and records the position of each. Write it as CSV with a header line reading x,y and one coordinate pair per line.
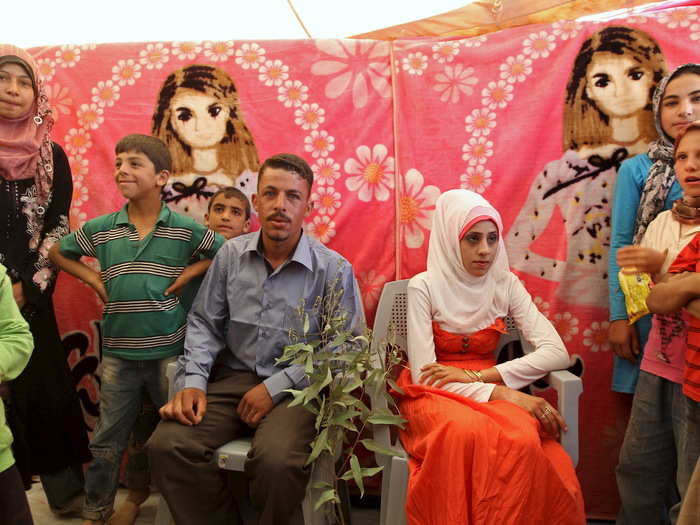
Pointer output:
x,y
35,192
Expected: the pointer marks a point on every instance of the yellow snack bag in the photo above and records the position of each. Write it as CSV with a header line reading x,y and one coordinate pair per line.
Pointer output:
x,y
636,287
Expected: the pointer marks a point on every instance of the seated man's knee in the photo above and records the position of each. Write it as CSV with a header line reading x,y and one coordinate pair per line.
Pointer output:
x,y
275,463
161,444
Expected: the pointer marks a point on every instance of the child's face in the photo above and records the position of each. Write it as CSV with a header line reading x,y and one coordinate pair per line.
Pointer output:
x,y
680,104
227,217
618,84
688,165
198,119
136,176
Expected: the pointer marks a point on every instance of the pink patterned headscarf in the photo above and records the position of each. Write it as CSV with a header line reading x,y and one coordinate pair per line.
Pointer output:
x,y
25,143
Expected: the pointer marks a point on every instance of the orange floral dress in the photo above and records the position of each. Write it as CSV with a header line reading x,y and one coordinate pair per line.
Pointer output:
x,y
481,463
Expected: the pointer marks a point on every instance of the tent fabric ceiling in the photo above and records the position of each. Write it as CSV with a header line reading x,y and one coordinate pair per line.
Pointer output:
x,y
485,16
136,21
82,22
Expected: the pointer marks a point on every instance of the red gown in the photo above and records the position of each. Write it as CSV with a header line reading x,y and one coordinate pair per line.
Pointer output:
x,y
481,463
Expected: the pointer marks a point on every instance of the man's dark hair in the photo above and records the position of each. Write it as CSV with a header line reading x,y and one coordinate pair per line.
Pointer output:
x,y
288,162
154,148
229,192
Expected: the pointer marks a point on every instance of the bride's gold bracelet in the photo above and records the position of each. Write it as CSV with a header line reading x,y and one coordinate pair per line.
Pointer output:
x,y
475,374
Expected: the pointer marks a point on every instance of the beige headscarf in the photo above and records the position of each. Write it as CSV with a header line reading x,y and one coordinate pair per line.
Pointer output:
x,y
463,302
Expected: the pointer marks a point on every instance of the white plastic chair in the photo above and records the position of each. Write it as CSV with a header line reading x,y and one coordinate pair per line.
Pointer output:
x,y
391,316
232,456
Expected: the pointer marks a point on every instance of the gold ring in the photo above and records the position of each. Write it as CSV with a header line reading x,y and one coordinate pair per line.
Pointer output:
x,y
546,411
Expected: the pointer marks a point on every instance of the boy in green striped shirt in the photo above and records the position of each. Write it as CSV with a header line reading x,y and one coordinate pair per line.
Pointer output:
x,y
143,250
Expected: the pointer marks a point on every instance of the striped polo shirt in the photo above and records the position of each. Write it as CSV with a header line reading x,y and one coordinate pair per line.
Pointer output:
x,y
139,322
689,261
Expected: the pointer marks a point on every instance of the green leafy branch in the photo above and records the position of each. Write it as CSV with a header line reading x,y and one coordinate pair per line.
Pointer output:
x,y
342,372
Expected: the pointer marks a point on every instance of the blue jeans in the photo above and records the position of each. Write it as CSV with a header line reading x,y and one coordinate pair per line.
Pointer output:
x,y
659,453
137,474
121,392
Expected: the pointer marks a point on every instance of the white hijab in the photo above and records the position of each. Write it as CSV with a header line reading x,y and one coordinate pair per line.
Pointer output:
x,y
462,302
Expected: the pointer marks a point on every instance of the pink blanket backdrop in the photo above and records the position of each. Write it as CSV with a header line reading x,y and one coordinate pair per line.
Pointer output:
x,y
484,113
487,114
326,100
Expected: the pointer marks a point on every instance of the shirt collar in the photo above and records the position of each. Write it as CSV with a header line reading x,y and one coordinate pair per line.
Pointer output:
x,y
163,216
302,253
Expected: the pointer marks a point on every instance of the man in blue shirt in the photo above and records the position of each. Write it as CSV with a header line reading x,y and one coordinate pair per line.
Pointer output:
x,y
227,382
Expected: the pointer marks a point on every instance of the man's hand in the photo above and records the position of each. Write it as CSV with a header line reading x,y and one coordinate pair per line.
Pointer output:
x,y
623,339
634,259
18,294
187,407
255,405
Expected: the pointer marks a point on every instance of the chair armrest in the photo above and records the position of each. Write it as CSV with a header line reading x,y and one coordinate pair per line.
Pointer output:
x,y
232,455
382,435
170,374
568,388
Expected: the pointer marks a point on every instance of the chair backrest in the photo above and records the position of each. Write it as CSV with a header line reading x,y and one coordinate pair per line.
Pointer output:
x,y
390,321
389,324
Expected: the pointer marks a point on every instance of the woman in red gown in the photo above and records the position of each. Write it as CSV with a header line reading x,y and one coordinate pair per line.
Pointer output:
x,y
481,452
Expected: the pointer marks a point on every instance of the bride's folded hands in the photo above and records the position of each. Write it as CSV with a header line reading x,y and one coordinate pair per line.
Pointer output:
x,y
438,375
538,407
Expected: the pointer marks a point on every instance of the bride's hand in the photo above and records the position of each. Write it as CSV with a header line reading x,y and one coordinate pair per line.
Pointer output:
x,y
548,416
437,375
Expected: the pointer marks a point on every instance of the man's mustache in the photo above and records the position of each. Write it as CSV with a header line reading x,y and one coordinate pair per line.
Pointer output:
x,y
278,217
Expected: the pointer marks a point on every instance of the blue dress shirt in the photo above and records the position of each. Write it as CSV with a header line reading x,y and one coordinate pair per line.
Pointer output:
x,y
244,310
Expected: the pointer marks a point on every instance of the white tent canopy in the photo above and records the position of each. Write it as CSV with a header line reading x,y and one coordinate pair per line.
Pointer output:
x,y
85,21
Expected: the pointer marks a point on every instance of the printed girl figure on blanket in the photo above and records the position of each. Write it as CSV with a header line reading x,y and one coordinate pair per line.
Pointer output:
x,y
198,116
607,118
